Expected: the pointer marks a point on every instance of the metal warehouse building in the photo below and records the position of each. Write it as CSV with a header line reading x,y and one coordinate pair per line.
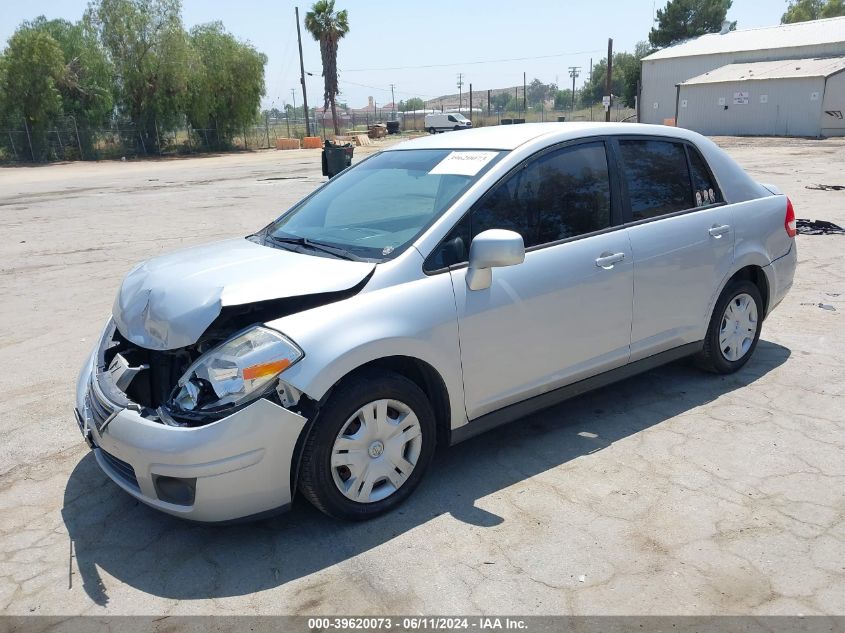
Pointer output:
x,y
664,70
797,97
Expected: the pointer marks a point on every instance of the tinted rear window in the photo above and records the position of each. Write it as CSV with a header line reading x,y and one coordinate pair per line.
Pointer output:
x,y
706,190
657,177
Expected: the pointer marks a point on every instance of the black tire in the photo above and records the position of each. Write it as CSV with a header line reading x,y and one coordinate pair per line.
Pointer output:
x,y
456,128
711,357
431,130
316,476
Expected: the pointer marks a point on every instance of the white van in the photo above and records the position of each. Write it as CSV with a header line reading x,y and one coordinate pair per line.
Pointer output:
x,y
445,121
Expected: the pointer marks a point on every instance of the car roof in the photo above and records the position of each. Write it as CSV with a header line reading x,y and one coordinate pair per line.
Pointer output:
x,y
509,137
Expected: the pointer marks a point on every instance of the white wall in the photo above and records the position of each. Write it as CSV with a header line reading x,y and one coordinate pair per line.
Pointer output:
x,y
776,107
659,77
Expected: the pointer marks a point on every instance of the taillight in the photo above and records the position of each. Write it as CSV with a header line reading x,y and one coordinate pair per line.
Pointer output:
x,y
789,221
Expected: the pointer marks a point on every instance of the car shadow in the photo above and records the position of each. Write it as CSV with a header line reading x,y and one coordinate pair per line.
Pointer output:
x,y
171,558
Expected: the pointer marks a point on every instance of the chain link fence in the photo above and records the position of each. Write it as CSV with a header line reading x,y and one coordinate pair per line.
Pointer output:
x,y
65,140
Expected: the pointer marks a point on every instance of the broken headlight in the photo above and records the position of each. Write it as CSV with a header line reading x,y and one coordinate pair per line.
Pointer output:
x,y
236,371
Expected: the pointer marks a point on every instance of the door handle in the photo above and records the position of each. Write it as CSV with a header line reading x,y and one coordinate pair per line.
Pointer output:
x,y
606,260
718,230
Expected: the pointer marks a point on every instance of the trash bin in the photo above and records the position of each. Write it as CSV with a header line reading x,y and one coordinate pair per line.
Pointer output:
x,y
561,119
518,121
393,127
506,121
377,130
336,158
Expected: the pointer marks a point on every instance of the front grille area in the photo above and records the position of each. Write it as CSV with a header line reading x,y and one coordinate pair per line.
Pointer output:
x,y
121,469
99,407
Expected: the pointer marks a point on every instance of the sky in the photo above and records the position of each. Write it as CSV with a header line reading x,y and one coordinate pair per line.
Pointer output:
x,y
491,43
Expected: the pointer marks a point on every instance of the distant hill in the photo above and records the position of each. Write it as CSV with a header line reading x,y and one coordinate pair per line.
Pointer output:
x,y
478,97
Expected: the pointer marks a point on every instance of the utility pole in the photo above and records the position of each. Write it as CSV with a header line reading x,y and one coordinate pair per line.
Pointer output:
x,y
302,75
574,72
460,90
470,104
524,96
608,86
393,102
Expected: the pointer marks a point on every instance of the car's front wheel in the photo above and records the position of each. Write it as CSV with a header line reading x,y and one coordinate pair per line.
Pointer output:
x,y
370,446
734,328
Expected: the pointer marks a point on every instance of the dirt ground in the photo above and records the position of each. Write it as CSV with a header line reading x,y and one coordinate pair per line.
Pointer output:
x,y
675,492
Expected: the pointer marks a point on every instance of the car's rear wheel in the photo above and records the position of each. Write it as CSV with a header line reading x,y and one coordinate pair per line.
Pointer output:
x,y
734,328
371,444
431,130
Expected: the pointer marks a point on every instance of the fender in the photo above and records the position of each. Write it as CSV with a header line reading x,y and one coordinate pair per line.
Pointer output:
x,y
341,337
750,258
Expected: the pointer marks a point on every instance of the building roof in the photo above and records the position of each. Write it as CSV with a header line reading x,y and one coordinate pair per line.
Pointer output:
x,y
780,69
815,32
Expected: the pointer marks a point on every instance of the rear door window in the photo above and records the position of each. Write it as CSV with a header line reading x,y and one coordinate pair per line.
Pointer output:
x,y
705,189
657,177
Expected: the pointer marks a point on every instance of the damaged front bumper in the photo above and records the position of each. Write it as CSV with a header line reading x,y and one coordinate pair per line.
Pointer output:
x,y
235,467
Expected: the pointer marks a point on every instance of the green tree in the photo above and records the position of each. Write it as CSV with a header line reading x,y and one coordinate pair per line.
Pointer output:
x,y
503,101
86,85
806,10
563,99
328,27
226,82
152,60
414,103
681,20
537,92
32,69
627,69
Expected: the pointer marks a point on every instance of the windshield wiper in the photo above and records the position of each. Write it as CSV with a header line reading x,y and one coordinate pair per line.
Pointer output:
x,y
341,253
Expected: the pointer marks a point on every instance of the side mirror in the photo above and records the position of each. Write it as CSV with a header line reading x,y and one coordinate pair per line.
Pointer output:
x,y
491,249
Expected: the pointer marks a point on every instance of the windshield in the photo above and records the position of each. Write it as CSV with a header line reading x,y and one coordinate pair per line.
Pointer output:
x,y
460,117
377,208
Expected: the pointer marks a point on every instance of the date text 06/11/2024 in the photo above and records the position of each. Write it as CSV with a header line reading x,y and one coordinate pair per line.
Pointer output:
x,y
420,623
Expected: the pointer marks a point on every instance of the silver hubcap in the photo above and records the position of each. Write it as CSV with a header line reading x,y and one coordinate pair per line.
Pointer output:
x,y
739,326
376,451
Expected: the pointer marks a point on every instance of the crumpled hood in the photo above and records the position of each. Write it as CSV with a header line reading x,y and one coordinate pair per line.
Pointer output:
x,y
168,302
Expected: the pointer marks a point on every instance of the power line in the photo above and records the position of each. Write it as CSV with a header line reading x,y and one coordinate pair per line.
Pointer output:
x,y
382,89
482,61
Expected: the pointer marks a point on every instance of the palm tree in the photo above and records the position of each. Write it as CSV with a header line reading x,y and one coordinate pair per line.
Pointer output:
x,y
328,27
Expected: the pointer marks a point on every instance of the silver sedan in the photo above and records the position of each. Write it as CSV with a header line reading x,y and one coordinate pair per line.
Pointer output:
x,y
431,292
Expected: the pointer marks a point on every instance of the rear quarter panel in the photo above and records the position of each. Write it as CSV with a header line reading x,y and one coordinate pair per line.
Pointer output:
x,y
758,221
760,234
761,240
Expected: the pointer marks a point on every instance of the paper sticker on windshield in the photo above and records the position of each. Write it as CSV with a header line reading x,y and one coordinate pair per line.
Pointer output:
x,y
463,163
